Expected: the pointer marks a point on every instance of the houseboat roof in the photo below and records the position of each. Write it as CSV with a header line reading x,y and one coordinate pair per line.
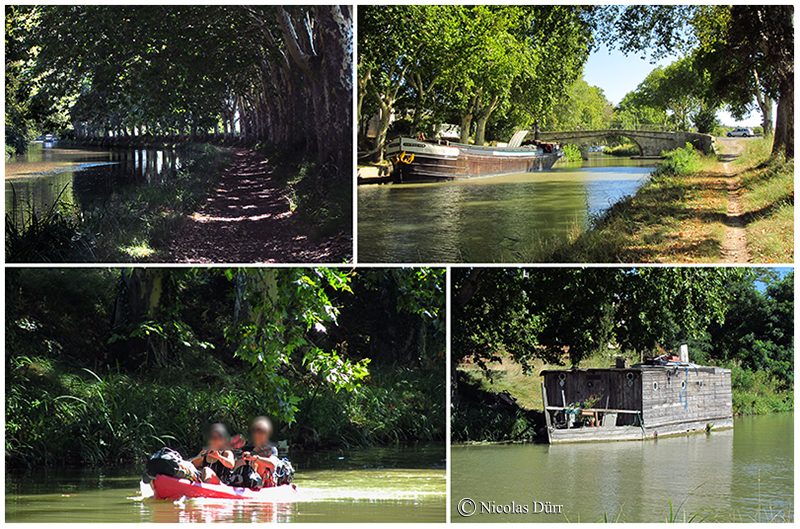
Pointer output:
x,y
670,366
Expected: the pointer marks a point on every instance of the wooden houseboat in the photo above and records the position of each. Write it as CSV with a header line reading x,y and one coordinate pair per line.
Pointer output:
x,y
643,401
421,160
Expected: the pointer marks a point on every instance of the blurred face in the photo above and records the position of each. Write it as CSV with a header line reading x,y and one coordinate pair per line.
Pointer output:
x,y
260,435
216,441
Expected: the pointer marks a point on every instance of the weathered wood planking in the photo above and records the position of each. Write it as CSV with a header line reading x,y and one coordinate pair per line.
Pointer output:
x,y
671,399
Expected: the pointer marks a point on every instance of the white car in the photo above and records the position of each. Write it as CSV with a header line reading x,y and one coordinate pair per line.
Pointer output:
x,y
744,133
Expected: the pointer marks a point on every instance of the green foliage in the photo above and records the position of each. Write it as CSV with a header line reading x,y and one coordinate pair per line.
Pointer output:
x,y
392,406
544,313
498,64
572,153
583,106
89,382
480,416
285,306
757,393
679,162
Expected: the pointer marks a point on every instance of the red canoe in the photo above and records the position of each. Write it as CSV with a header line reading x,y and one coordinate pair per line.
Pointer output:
x,y
167,488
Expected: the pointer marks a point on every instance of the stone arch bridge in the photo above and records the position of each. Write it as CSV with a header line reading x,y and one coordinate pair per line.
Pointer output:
x,y
650,143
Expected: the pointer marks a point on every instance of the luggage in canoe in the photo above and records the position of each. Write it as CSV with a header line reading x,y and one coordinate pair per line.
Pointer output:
x,y
167,488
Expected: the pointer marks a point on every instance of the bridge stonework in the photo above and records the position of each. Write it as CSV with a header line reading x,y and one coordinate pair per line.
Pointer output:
x,y
650,143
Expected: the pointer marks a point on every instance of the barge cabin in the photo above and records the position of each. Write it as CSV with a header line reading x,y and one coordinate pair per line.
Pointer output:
x,y
643,401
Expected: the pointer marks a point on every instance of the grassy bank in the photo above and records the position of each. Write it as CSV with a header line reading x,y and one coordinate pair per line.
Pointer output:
x,y
61,415
768,202
481,416
679,215
133,225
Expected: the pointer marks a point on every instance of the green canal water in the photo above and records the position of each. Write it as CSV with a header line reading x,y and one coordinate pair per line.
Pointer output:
x,y
487,220
80,177
370,485
740,475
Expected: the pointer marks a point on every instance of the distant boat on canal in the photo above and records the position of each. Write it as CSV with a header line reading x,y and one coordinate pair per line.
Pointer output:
x,y
421,160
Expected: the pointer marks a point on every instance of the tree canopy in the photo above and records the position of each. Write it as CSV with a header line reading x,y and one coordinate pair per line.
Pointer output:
x,y
484,62
746,51
276,74
552,314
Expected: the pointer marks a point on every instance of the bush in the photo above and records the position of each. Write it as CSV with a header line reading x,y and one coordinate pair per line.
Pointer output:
x,y
16,139
756,393
679,162
572,153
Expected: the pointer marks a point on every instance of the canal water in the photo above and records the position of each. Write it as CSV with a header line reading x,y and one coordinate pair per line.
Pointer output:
x,y
86,178
487,220
370,485
740,475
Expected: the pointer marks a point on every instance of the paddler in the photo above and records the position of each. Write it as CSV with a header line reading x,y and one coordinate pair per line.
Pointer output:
x,y
216,461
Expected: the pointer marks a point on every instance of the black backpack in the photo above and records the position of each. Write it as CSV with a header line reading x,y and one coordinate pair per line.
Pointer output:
x,y
246,476
168,462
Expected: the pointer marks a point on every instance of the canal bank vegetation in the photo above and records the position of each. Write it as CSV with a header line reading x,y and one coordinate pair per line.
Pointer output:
x,y
134,225
106,365
510,324
679,214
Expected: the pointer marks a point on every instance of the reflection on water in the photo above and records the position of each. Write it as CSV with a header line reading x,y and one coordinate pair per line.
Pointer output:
x,y
483,220
742,474
375,485
47,173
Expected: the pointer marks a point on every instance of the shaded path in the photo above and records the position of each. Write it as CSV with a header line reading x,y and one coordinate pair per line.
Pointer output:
x,y
247,220
734,245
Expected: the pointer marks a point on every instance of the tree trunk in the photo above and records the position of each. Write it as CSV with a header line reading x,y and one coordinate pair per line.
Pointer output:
x,y
139,298
464,294
466,123
765,104
784,124
466,117
483,117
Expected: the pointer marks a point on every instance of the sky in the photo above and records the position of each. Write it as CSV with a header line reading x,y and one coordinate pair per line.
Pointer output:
x,y
617,75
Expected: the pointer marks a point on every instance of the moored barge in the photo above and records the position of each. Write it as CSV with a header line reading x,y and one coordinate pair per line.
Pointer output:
x,y
420,160
644,401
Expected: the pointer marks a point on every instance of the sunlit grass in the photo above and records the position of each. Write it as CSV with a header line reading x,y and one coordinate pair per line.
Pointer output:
x,y
138,250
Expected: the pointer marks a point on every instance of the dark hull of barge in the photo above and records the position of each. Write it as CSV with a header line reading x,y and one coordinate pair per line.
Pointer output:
x,y
461,162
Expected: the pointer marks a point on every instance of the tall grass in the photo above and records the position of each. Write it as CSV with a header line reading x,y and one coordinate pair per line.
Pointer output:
x,y
57,235
56,416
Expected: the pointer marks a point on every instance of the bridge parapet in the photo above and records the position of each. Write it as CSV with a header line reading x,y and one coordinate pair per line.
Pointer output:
x,y
650,143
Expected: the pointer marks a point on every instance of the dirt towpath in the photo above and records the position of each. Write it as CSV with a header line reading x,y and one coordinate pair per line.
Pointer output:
x,y
247,219
734,245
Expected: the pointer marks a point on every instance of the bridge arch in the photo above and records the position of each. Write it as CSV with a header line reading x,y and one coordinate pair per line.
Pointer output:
x,y
650,143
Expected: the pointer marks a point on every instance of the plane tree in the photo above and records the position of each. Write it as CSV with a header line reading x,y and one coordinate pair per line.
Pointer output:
x,y
738,43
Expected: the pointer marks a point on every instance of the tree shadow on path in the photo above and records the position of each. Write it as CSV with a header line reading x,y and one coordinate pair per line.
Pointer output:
x,y
247,219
